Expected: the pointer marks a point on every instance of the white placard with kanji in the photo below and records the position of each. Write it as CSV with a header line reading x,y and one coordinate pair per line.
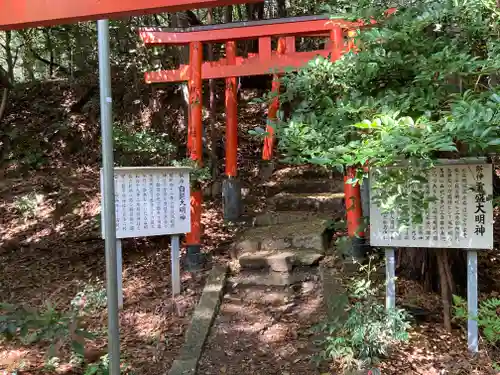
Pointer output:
x,y
150,201
461,217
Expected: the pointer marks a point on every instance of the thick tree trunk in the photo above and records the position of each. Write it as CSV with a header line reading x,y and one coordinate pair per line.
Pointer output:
x,y
3,103
281,8
445,290
50,49
9,57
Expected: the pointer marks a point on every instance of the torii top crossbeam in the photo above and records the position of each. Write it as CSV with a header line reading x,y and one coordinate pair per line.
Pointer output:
x,y
18,14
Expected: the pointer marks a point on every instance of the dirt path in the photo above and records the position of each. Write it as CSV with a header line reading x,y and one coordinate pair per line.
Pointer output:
x,y
265,330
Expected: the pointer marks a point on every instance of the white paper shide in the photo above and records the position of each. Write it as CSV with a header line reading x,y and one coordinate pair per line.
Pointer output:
x,y
151,201
461,216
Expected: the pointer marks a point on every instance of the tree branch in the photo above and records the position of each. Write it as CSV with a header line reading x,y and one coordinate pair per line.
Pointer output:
x,y
51,64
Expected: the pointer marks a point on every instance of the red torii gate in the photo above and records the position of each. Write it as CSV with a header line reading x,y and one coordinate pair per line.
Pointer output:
x,y
266,61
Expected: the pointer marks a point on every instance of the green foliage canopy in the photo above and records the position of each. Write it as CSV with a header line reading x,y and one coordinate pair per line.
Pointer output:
x,y
424,83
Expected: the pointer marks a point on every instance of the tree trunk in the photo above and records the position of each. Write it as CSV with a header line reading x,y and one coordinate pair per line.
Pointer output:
x,y
445,290
9,56
3,104
281,8
50,49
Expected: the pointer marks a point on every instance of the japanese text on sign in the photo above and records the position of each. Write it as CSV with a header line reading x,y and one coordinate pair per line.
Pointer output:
x,y
151,201
460,217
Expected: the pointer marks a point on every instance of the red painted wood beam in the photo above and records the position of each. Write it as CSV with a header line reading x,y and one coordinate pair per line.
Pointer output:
x,y
231,115
319,27
152,37
252,66
18,14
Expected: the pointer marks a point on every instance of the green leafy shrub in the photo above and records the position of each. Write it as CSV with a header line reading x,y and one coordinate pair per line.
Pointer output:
x,y
48,325
423,84
197,175
367,330
140,148
147,148
27,205
91,299
102,367
488,318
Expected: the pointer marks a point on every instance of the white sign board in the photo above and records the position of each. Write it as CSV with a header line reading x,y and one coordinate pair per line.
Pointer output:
x,y
151,201
461,217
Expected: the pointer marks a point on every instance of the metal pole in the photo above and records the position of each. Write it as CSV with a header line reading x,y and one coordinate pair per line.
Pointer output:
x,y
390,275
119,270
176,264
472,329
109,196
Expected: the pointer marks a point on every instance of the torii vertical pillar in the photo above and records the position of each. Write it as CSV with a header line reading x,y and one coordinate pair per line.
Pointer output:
x,y
195,150
352,193
272,113
231,189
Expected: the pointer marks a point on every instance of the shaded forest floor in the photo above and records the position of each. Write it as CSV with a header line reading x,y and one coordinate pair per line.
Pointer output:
x,y
51,250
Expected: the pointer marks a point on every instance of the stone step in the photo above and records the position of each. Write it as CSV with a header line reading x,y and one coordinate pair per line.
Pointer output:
x,y
289,217
303,186
265,277
306,171
280,260
310,234
331,203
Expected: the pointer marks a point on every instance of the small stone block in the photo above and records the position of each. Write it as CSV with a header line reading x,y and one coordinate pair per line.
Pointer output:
x,y
307,258
280,262
275,244
254,260
247,246
184,367
312,241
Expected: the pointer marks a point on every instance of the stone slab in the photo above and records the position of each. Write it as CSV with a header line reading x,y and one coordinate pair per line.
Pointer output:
x,y
302,171
289,217
304,186
280,261
184,367
270,278
332,203
307,235
201,322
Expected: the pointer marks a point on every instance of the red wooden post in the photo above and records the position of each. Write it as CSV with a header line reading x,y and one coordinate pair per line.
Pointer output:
x,y
267,152
231,116
337,40
195,149
351,34
353,205
231,189
195,126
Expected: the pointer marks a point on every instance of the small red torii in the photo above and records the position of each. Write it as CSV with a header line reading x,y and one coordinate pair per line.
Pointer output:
x,y
266,61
